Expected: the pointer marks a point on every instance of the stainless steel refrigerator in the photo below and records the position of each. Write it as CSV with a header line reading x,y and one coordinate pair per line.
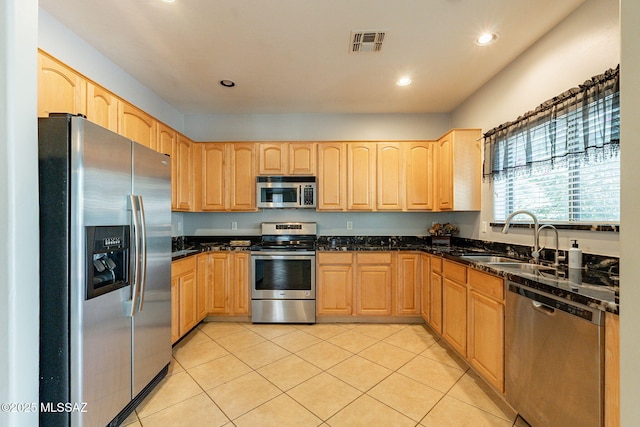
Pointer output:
x,y
105,271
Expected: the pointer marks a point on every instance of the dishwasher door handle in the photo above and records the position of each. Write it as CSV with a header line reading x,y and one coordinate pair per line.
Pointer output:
x,y
544,309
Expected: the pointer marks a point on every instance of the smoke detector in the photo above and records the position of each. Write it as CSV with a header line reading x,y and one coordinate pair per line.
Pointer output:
x,y
366,41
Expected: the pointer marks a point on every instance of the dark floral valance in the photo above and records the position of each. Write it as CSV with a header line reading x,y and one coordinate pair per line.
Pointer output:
x,y
582,124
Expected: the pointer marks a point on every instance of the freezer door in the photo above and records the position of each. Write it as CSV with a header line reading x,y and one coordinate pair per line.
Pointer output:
x,y
100,329
152,319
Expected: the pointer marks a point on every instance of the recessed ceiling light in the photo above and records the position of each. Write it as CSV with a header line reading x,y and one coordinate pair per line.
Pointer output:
x,y
169,1
403,81
486,39
227,83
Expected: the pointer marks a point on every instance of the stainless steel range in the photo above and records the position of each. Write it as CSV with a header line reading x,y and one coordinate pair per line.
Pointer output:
x,y
283,274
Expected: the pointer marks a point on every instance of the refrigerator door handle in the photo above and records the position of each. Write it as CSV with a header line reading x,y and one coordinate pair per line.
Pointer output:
x,y
143,245
135,264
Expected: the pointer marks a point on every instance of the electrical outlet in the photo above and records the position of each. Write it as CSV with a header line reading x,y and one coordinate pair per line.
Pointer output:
x,y
234,225
483,227
349,225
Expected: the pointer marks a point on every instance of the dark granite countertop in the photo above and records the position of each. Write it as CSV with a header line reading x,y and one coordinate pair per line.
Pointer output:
x,y
597,285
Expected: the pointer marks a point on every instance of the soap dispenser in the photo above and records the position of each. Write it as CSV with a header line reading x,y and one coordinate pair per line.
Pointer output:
x,y
575,255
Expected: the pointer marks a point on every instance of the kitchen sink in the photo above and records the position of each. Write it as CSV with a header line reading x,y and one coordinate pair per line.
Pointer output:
x,y
490,259
523,266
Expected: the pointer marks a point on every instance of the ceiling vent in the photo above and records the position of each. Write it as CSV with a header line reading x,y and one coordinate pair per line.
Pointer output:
x,y
366,41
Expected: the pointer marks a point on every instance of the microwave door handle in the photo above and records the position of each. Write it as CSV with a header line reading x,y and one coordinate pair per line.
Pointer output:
x,y
135,258
143,250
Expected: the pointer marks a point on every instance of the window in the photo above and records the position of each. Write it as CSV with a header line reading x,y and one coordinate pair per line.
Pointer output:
x,y
562,160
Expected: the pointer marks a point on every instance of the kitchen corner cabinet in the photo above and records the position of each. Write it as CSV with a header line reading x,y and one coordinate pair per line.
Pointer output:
x,y
202,278
361,176
334,283
102,107
183,297
374,283
332,176
454,305
458,171
408,285
60,89
240,276
135,124
486,320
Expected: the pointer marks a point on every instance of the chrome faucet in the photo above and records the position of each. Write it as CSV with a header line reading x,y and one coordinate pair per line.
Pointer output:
x,y
536,250
556,259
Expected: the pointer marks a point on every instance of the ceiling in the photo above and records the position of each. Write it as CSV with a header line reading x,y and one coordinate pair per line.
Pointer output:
x,y
292,56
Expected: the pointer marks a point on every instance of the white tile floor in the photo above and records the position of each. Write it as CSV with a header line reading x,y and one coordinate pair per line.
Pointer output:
x,y
241,374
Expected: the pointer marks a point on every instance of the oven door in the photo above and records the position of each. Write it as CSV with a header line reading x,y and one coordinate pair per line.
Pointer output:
x,y
283,275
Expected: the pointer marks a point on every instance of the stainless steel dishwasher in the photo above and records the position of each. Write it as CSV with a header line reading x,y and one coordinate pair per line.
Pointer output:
x,y
554,359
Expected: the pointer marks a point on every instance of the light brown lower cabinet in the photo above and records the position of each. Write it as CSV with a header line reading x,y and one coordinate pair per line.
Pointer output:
x,y
334,283
374,281
612,370
409,284
426,280
435,295
183,296
485,339
227,282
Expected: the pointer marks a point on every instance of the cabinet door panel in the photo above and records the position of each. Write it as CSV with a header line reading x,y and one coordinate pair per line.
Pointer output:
x,y
219,286
373,287
454,315
486,338
445,173
243,176
213,177
102,107
332,173
60,89
302,158
419,176
137,125
240,283
361,161
435,294
408,284
184,174
273,158
426,278
335,284
390,176
188,302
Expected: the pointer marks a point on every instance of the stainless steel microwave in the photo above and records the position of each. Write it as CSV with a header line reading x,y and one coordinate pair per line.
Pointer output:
x,y
278,192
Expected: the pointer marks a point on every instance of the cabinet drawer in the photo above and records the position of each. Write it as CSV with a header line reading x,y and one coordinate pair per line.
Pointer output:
x,y
183,266
334,258
488,284
436,264
373,258
454,271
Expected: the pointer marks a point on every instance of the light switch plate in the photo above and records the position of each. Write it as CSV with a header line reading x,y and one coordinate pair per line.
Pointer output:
x,y
234,225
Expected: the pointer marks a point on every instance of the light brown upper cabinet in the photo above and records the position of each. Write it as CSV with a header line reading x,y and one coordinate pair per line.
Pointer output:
x,y
419,175
211,177
332,176
286,158
60,89
361,176
166,144
102,107
135,124
390,176
184,174
242,176
458,171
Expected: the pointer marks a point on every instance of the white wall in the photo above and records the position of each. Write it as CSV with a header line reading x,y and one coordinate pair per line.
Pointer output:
x,y
585,44
18,210
60,42
630,271
316,127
